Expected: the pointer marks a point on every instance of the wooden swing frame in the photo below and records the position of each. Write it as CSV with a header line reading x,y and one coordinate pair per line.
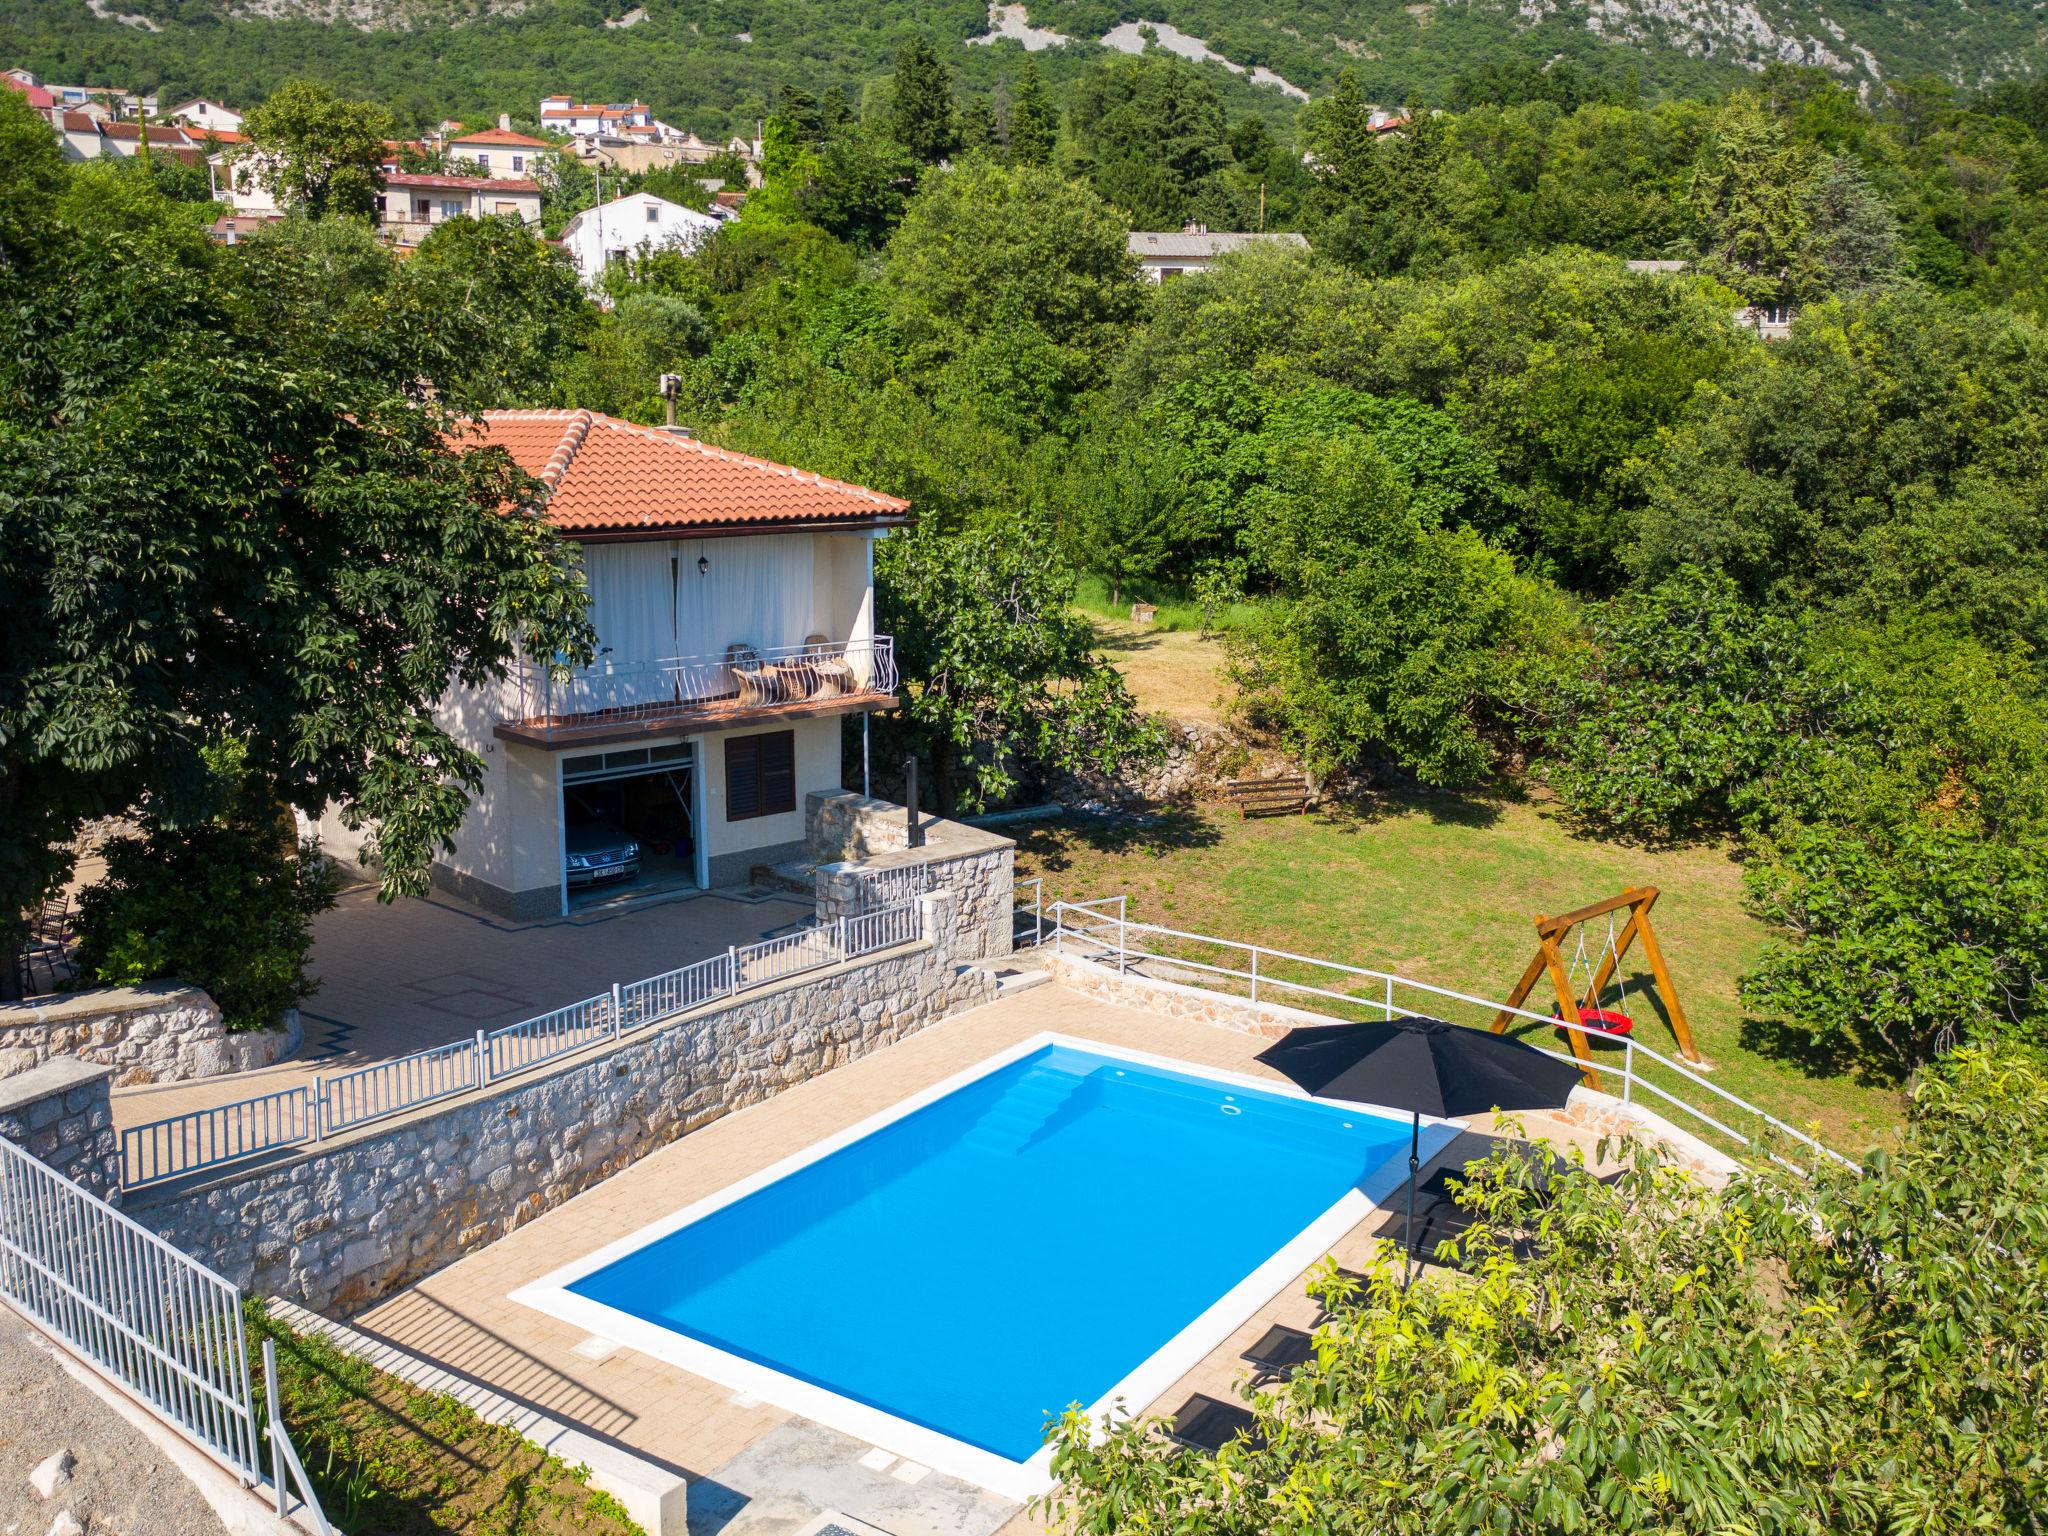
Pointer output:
x,y
1549,957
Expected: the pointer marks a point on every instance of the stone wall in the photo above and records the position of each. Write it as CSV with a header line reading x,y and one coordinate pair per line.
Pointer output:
x,y
862,849
58,1112
159,1032
339,1225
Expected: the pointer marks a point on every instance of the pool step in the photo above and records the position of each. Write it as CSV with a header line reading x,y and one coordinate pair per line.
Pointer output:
x,y
1024,1112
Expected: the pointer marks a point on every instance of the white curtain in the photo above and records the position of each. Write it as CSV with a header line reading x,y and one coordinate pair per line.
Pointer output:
x,y
757,592
633,606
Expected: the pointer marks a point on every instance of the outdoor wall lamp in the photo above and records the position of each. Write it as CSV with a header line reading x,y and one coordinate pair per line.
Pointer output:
x,y
703,565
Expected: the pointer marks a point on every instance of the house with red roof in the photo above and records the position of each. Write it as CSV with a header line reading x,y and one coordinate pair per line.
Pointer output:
x,y
499,151
734,605
412,202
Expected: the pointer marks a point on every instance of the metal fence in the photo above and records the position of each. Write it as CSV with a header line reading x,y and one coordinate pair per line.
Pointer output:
x,y
154,1319
875,889
1027,913
205,1138
1103,930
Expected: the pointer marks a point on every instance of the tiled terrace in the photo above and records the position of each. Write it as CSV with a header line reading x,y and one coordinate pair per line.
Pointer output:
x,y
461,1318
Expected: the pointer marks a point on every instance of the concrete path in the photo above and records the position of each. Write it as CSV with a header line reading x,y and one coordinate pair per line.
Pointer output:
x,y
402,977
119,1485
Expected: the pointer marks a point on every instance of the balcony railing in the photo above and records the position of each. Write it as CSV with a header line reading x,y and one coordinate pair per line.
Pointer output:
x,y
683,689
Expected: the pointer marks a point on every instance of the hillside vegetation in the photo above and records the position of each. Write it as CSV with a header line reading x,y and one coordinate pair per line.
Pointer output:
x,y
715,65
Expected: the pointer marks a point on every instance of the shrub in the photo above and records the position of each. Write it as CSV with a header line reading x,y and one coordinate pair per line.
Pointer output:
x,y
226,904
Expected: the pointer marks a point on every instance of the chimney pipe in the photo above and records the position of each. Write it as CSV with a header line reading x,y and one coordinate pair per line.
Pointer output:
x,y
505,121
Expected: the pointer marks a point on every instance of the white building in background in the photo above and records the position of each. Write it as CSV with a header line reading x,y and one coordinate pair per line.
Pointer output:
x,y
208,116
1164,254
631,226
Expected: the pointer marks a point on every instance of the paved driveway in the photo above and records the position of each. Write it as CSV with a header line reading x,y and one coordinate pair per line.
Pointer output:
x,y
417,973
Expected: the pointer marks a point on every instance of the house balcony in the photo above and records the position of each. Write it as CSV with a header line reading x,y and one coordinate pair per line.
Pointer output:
x,y
745,686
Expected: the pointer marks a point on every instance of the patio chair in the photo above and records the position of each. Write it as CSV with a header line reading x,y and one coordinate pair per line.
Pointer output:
x,y
1280,1351
1206,1425
827,664
755,682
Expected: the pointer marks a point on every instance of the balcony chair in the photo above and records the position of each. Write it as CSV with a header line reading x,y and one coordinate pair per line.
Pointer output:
x,y
756,682
831,676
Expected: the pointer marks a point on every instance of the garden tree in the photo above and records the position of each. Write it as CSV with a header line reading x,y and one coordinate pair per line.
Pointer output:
x,y
318,152
213,529
221,895
500,306
1122,510
1855,236
998,669
1034,123
1749,197
804,114
677,185
1892,452
1148,135
1900,941
1397,640
978,125
567,187
921,114
1682,711
1854,1353
987,245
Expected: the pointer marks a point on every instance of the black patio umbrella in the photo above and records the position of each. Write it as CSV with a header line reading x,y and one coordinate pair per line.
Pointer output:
x,y
1422,1065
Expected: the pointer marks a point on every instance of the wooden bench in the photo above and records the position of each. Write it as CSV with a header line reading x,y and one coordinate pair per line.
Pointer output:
x,y
1283,796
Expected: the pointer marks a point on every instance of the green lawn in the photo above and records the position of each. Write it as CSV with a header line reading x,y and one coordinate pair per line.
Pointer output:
x,y
1444,890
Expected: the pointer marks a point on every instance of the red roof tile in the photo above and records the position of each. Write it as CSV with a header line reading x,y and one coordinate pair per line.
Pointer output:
x,y
611,477
461,183
502,136
37,96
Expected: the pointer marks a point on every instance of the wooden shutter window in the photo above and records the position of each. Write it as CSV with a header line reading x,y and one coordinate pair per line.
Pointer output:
x,y
760,775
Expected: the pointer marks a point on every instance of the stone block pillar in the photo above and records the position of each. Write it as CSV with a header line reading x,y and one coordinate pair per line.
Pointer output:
x,y
59,1112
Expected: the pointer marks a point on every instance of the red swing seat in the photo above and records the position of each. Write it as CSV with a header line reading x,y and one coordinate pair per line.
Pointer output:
x,y
1609,1019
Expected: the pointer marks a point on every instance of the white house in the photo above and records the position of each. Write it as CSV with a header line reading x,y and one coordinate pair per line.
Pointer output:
x,y
564,114
208,115
1164,254
734,606
499,151
414,201
630,226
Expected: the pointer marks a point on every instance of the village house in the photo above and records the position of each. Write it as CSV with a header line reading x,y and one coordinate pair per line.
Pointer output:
x,y
412,202
631,226
734,605
582,119
1166,254
499,150
207,116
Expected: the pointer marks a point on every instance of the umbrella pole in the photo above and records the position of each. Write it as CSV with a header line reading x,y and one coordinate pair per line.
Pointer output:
x,y
1408,1228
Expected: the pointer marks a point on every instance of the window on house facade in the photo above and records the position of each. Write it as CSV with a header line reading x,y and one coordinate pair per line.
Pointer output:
x,y
451,208
483,159
760,775
519,162
654,215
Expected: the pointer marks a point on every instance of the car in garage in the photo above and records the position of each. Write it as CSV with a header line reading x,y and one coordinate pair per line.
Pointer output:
x,y
597,850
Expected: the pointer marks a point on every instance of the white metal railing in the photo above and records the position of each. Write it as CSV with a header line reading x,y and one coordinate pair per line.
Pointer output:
x,y
743,678
1105,926
284,1456
206,1138
154,1319
1033,909
874,888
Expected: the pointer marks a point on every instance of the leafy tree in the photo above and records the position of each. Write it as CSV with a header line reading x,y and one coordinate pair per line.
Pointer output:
x,y
316,151
500,305
1034,124
998,669
1347,151
1396,642
618,369
1681,713
1856,1353
859,188
213,528
224,900
1123,515
922,116
1855,236
1148,135
985,245
1903,941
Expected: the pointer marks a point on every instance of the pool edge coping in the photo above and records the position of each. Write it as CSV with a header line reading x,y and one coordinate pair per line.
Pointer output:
x,y
1023,1480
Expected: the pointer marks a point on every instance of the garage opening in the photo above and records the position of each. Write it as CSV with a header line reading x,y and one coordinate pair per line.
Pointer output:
x,y
628,823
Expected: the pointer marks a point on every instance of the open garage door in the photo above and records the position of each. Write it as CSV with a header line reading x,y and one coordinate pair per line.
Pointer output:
x,y
628,822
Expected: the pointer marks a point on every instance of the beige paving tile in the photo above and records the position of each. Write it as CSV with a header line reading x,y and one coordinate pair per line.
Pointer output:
x,y
462,1317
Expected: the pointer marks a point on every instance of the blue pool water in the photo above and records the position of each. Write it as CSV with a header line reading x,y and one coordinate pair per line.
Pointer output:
x,y
1021,1244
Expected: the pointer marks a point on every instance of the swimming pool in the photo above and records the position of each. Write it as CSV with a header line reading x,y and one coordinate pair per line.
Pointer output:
x,y
1064,1223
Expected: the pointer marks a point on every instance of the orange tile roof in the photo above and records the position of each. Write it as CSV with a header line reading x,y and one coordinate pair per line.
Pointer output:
x,y
502,136
610,477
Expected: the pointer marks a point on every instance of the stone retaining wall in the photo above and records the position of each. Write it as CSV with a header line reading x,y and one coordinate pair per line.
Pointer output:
x,y
58,1112
159,1032
860,845
339,1225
